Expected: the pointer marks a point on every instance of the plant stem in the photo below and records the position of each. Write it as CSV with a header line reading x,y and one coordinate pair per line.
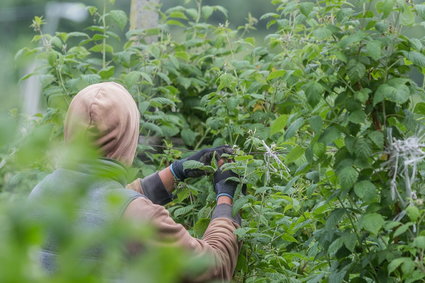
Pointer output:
x,y
202,139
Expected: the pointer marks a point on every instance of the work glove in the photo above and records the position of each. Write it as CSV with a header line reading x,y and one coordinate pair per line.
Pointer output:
x,y
224,186
204,156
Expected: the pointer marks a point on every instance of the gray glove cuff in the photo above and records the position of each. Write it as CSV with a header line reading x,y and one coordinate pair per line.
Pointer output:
x,y
226,187
225,210
154,189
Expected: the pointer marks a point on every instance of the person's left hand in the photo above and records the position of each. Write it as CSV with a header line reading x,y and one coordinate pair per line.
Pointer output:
x,y
204,156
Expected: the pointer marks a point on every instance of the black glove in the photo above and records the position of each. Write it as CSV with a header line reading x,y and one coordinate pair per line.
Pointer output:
x,y
222,186
204,156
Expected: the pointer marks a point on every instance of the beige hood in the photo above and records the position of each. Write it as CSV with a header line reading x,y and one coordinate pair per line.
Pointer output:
x,y
110,109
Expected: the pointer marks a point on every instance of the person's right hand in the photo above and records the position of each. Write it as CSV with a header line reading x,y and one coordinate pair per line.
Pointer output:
x,y
204,156
223,186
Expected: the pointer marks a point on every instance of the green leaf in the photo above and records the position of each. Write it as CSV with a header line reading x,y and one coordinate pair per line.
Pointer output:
x,y
207,11
24,52
289,238
420,10
146,77
394,90
91,78
407,16
238,204
293,128
373,49
175,23
355,70
357,117
362,148
335,246
222,10
362,95
76,34
242,232
372,222
322,33
276,74
416,43
330,135
200,226
185,82
294,154
107,72
334,218
350,241
316,123
408,266
244,157
55,41
314,92
419,242
92,10
165,78
365,190
119,17
385,7
226,81
188,136
205,212
415,57
161,102
278,124
377,138
269,15
402,229
337,277
420,108
193,13
353,38
396,263
340,56
349,144
306,8
132,78
177,15
413,212
192,164
152,127
183,210
347,177
100,48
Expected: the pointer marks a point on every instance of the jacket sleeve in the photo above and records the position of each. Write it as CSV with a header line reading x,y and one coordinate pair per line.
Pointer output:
x,y
153,188
219,239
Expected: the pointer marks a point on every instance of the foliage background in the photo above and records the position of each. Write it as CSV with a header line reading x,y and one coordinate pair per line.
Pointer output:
x,y
312,110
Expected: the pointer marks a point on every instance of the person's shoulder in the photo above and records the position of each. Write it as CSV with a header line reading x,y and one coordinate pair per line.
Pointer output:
x,y
43,184
57,180
142,207
136,185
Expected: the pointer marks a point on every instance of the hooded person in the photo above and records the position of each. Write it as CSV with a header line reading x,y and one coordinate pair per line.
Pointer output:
x,y
108,113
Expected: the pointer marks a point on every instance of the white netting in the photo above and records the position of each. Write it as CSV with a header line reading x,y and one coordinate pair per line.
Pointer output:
x,y
269,155
403,159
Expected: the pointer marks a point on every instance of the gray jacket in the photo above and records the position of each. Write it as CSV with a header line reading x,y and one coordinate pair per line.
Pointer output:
x,y
96,196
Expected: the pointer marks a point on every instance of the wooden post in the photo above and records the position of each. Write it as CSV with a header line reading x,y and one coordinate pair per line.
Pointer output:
x,y
144,15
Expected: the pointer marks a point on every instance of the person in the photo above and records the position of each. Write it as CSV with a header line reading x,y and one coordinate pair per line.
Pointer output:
x,y
109,112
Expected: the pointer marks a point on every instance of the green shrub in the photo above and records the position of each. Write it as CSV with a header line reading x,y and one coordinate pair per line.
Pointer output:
x,y
313,112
